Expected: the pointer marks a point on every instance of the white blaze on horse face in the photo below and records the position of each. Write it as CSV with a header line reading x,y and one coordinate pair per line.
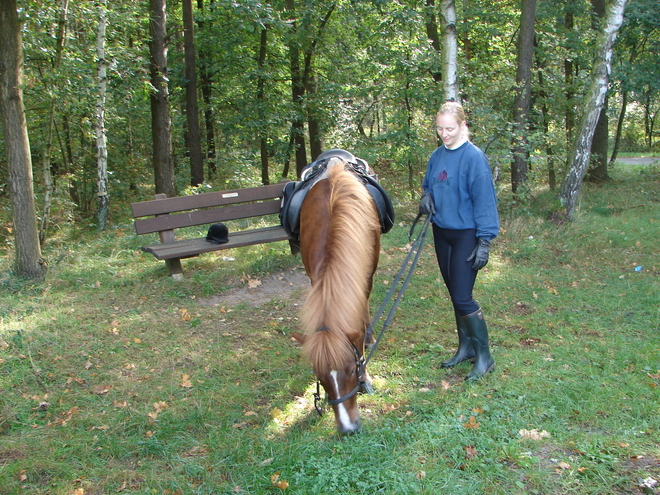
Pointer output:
x,y
344,418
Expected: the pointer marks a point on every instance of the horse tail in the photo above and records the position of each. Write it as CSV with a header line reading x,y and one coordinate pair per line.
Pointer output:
x,y
336,307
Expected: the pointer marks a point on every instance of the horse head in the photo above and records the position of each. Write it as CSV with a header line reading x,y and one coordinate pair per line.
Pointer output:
x,y
339,367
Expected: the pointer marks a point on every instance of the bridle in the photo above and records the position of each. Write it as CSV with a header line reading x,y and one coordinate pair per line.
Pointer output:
x,y
360,369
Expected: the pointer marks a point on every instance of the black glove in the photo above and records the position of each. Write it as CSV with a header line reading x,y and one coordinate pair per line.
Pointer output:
x,y
479,254
426,206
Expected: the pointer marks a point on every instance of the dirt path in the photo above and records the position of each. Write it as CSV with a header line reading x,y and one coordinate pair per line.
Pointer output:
x,y
643,160
290,285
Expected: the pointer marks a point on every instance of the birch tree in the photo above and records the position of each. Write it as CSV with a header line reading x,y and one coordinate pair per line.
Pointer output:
x,y
99,123
594,101
29,263
449,51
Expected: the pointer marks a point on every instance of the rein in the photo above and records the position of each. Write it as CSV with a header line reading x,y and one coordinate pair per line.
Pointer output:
x,y
360,361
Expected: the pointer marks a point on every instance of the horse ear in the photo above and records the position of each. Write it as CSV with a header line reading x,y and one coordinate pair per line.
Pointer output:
x,y
300,337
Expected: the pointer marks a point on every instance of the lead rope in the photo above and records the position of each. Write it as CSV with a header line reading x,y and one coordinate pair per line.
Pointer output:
x,y
417,249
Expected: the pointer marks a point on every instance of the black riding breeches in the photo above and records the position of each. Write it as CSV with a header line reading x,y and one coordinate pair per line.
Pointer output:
x,y
452,248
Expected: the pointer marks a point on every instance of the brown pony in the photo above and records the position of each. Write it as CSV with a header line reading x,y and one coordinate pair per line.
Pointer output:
x,y
339,243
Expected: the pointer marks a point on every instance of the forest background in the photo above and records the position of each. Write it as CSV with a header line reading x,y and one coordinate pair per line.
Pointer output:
x,y
270,85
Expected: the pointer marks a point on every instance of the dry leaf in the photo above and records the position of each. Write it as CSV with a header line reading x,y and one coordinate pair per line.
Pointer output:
x,y
185,315
472,423
445,385
563,465
276,481
470,452
533,434
118,403
79,491
22,476
88,365
101,389
275,412
185,381
420,475
136,340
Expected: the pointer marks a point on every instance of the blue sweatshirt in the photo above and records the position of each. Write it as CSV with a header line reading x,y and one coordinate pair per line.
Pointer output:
x,y
461,185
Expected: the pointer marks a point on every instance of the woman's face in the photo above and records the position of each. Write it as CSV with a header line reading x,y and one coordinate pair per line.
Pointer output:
x,y
449,129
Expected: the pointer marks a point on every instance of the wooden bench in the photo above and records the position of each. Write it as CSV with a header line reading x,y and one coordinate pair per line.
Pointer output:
x,y
167,214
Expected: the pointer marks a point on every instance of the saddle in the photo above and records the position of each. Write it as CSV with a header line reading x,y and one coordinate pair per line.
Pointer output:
x,y
295,192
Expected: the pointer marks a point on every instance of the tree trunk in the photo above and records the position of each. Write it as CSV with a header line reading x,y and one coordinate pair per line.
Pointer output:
x,y
568,80
598,170
261,101
29,263
297,92
103,206
205,84
449,51
46,166
521,105
594,100
313,124
161,124
192,109
619,126
432,34
549,152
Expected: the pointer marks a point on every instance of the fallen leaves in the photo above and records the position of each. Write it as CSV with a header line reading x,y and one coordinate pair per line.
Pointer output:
x,y
185,381
102,389
472,423
252,282
277,482
158,407
66,417
534,434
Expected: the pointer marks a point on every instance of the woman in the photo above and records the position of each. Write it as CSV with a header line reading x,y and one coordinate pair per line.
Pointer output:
x,y
460,197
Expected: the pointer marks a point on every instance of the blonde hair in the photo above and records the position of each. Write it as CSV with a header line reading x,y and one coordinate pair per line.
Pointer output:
x,y
456,109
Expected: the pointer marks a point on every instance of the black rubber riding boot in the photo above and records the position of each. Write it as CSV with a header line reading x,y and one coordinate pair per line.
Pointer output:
x,y
465,350
478,332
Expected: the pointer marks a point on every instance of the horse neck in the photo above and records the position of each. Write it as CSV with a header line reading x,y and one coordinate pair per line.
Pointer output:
x,y
339,295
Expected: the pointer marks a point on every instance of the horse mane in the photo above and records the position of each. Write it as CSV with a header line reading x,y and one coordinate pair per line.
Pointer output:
x,y
334,313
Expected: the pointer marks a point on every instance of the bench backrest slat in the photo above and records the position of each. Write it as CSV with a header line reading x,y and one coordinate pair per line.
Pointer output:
x,y
201,217
206,200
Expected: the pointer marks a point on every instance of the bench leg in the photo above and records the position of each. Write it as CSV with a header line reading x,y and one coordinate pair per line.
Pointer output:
x,y
174,268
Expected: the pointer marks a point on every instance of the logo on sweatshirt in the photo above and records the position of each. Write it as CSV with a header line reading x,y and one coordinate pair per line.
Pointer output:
x,y
444,179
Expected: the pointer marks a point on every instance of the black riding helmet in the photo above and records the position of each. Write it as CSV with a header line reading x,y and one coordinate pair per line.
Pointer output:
x,y
218,233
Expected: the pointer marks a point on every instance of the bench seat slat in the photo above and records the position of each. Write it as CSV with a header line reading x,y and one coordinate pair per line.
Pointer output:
x,y
201,217
206,200
192,247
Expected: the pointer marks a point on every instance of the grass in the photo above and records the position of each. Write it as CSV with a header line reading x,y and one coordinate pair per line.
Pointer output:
x,y
116,379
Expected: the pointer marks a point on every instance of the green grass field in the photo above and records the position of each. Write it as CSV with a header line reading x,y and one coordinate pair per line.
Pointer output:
x,y
116,379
